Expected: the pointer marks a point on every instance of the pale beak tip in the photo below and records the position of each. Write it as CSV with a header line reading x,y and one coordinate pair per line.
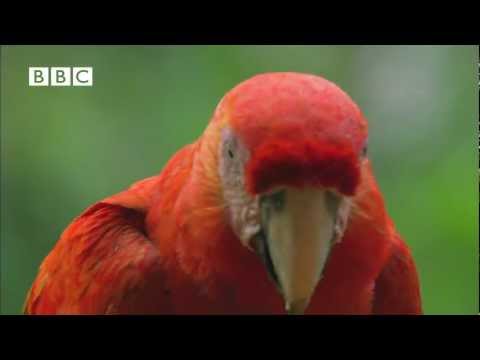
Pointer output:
x,y
296,307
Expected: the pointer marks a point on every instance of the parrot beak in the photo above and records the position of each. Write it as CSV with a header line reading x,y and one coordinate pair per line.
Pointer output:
x,y
298,229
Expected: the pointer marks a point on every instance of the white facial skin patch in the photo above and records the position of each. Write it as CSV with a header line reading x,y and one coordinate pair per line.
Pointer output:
x,y
243,208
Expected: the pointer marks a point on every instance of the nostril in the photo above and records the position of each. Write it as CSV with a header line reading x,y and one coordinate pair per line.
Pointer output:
x,y
278,200
275,201
332,200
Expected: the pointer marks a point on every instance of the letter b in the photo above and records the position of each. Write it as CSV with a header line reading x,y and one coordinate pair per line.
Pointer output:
x,y
60,76
38,76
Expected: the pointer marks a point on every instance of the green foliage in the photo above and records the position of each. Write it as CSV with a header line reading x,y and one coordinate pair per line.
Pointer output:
x,y
65,148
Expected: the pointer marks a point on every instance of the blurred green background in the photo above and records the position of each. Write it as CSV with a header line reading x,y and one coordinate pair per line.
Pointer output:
x,y
64,148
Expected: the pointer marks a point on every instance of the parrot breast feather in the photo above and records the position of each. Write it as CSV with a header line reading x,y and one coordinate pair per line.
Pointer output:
x,y
397,289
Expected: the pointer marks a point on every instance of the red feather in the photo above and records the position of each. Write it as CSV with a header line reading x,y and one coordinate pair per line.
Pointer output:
x,y
303,163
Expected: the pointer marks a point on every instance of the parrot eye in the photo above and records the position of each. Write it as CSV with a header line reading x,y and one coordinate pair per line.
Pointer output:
x,y
365,149
274,201
230,153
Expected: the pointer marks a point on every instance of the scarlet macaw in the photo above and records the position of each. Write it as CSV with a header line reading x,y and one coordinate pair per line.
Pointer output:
x,y
274,209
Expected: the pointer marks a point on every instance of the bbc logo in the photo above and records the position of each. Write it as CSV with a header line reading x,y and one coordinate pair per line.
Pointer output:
x,y
60,76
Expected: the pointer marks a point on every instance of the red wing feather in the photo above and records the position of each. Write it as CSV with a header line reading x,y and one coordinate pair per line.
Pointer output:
x,y
102,263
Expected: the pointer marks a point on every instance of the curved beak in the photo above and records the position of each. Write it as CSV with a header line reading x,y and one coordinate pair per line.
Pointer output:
x,y
298,229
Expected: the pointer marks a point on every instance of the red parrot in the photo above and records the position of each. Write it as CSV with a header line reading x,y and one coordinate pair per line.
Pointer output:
x,y
273,210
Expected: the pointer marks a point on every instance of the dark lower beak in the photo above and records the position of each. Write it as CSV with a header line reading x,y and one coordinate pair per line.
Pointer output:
x,y
261,248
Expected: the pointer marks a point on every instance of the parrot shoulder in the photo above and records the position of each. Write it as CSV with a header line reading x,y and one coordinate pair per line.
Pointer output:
x,y
105,262
102,263
397,289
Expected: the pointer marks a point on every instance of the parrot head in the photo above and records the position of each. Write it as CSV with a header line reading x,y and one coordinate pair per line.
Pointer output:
x,y
290,151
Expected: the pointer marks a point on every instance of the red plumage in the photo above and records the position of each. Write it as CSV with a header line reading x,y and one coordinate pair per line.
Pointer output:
x,y
302,163
166,245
